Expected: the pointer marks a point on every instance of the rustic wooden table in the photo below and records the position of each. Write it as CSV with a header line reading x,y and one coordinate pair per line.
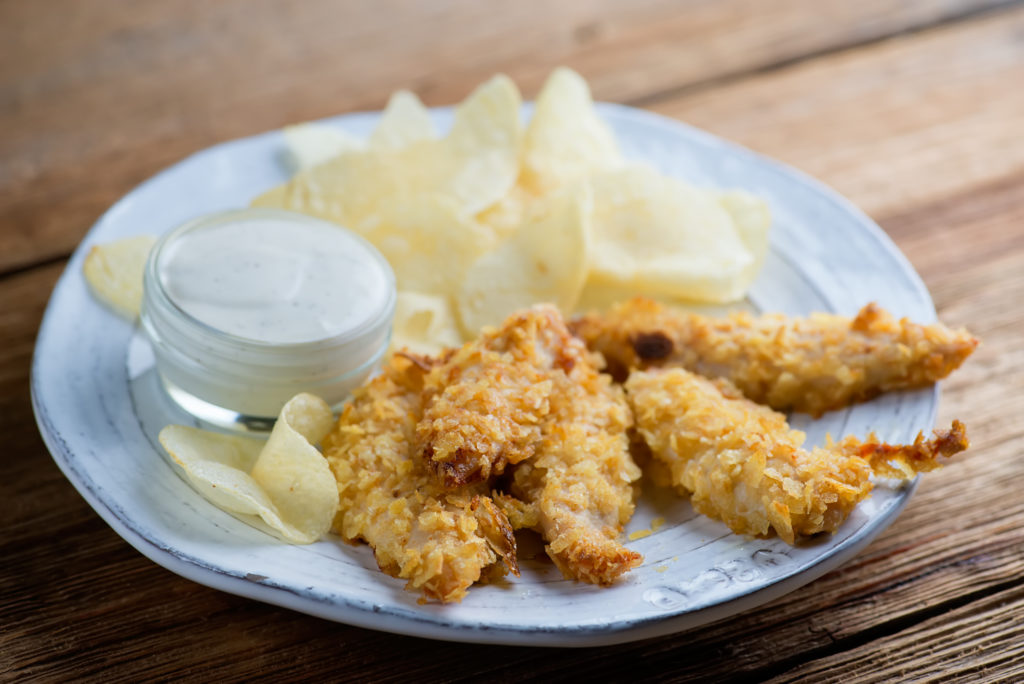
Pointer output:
x,y
913,109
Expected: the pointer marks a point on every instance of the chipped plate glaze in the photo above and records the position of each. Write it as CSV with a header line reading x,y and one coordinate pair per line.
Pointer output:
x,y
99,411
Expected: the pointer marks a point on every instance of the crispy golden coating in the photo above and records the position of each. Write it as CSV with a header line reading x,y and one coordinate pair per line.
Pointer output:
x,y
485,402
577,490
529,393
440,541
814,364
743,465
580,487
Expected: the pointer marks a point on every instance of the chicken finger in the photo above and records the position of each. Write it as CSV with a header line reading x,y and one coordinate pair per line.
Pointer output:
x,y
440,541
485,402
743,465
581,483
814,364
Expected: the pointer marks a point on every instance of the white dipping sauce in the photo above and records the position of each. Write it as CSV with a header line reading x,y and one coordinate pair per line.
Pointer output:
x,y
245,309
273,280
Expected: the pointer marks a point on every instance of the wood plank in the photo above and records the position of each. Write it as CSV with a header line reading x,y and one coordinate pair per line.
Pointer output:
x,y
980,642
900,124
24,297
129,89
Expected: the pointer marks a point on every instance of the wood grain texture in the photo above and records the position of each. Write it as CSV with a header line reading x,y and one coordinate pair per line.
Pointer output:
x,y
24,298
131,88
892,125
922,129
956,645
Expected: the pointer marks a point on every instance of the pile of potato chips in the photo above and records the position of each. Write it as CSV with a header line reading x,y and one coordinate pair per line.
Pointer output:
x,y
488,219
493,217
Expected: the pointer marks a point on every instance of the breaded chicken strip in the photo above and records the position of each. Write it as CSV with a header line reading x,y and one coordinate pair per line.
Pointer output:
x,y
528,393
578,489
814,364
440,541
743,465
485,403
580,486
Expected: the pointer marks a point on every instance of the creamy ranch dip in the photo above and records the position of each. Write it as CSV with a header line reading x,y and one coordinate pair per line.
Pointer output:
x,y
244,309
272,280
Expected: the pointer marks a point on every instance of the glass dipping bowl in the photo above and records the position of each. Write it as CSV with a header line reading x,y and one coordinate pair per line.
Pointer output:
x,y
239,383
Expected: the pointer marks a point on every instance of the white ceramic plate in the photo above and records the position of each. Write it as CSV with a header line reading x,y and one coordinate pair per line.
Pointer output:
x,y
99,412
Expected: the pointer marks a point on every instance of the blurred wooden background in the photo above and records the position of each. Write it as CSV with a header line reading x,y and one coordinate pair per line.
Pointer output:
x,y
913,109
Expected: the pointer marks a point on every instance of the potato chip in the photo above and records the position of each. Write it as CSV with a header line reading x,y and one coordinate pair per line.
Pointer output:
x,y
753,220
404,122
293,473
428,244
345,190
659,235
282,486
114,272
545,261
566,139
484,144
474,166
424,324
310,144
507,214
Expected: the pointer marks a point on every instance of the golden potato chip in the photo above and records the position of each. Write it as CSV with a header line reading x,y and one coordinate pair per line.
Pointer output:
x,y
659,235
293,473
474,166
546,261
424,323
428,244
282,486
753,220
310,144
346,189
566,139
478,162
485,143
114,272
404,122
507,214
